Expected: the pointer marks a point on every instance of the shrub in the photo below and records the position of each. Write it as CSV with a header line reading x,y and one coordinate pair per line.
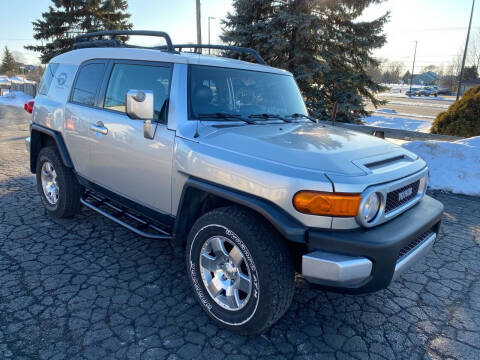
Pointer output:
x,y
462,118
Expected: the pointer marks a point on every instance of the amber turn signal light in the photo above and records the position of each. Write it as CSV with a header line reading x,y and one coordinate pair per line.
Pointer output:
x,y
328,204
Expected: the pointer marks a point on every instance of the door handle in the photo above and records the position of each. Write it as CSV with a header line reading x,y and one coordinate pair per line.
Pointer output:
x,y
99,128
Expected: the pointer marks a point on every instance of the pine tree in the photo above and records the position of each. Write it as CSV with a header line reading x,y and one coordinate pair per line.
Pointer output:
x,y
69,18
321,42
470,73
9,65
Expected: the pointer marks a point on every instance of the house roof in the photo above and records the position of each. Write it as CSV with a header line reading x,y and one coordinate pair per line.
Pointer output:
x,y
427,77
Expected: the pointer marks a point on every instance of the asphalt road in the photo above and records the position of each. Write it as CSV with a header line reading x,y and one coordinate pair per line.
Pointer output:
x,y
411,106
85,288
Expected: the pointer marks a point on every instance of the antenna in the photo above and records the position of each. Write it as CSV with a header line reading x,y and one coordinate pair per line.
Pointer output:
x,y
196,130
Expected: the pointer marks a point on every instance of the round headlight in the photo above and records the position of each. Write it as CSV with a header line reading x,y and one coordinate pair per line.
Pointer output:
x,y
371,207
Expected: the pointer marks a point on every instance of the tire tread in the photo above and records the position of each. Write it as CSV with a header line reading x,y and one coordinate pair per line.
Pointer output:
x,y
71,204
274,254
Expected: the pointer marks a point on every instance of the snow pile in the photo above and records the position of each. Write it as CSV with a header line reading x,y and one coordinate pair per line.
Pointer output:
x,y
454,166
4,80
393,122
17,79
15,98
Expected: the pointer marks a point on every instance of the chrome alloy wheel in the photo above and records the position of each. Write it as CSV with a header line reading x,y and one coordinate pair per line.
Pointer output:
x,y
49,182
225,273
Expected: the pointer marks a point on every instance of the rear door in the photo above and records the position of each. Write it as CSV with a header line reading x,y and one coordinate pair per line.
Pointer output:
x,y
121,158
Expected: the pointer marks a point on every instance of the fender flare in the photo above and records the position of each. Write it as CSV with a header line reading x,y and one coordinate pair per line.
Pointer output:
x,y
284,223
36,145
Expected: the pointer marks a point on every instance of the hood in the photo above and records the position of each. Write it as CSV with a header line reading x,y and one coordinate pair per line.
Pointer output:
x,y
309,146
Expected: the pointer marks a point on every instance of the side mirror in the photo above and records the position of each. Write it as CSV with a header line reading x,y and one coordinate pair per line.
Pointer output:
x,y
139,106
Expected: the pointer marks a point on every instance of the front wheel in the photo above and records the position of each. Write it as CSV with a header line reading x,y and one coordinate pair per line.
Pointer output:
x,y
240,269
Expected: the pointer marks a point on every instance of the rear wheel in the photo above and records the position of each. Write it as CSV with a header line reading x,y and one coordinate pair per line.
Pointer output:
x,y
240,269
58,187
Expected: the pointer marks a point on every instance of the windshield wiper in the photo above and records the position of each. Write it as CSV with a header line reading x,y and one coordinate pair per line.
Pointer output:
x,y
268,116
220,115
298,115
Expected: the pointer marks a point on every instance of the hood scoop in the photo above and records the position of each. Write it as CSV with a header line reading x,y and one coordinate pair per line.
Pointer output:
x,y
384,163
381,163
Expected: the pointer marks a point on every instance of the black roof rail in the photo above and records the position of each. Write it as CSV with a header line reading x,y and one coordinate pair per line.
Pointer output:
x,y
96,39
238,49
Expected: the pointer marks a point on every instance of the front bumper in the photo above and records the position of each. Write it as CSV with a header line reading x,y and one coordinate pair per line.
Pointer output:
x,y
365,260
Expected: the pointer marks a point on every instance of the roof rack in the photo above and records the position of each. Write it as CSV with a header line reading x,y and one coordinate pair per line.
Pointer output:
x,y
238,49
108,39
96,39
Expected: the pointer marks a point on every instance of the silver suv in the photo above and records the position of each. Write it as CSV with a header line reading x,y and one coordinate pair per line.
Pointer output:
x,y
220,157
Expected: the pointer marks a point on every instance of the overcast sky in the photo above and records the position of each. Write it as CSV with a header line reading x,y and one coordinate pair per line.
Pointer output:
x,y
440,26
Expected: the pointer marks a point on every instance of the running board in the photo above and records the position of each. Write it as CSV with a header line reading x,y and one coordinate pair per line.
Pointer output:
x,y
122,216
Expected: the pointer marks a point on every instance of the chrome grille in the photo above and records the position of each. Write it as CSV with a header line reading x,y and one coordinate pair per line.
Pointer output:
x,y
417,241
393,201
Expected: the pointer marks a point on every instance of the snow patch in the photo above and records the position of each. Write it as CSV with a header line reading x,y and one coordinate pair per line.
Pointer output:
x,y
387,111
393,122
391,111
454,166
402,95
416,104
15,98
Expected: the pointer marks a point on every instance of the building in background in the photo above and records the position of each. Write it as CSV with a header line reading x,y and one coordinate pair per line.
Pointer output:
x,y
468,84
427,78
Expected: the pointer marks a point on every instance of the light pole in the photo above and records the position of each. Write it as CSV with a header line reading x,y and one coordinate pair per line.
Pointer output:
x,y
209,18
413,66
465,52
199,24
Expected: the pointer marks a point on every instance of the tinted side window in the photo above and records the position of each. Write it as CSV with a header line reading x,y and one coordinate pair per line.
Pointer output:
x,y
139,77
88,81
47,78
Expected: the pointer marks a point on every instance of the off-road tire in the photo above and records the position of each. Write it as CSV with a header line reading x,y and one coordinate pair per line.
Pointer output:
x,y
272,292
70,190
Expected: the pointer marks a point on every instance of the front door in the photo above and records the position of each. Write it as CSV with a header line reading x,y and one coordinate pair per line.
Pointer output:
x,y
121,158
81,110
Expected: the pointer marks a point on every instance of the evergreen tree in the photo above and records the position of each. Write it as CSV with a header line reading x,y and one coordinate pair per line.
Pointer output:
x,y
9,65
69,18
470,73
406,78
322,43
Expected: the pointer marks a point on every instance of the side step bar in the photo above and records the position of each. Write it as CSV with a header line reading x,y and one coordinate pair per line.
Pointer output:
x,y
136,223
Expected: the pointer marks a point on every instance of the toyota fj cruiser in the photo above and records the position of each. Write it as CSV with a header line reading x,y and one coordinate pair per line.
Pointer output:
x,y
220,157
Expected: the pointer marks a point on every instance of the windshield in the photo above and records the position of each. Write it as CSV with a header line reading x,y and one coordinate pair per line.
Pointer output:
x,y
215,90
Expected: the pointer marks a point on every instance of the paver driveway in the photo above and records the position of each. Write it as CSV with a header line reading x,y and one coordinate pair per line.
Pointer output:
x,y
85,288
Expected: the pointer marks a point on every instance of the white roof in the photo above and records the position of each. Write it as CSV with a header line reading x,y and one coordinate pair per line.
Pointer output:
x,y
76,57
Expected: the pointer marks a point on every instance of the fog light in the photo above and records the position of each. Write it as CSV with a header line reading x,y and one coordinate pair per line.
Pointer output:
x,y
371,207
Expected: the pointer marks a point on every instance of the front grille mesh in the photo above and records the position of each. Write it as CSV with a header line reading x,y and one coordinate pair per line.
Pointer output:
x,y
417,241
392,197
